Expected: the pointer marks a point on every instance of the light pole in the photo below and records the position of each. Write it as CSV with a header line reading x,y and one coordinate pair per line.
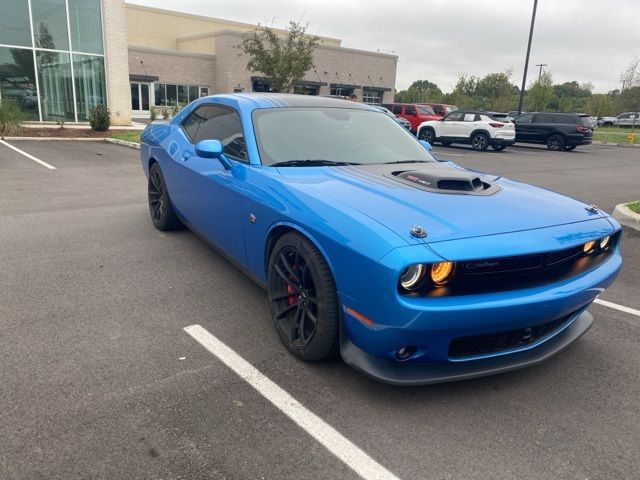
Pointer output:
x,y
526,62
540,72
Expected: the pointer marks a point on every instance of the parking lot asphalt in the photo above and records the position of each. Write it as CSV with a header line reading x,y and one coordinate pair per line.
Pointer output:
x,y
99,379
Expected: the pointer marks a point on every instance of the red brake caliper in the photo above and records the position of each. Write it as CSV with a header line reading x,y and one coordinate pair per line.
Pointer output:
x,y
291,300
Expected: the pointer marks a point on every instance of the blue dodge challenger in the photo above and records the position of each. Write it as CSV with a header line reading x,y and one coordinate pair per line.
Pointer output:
x,y
415,270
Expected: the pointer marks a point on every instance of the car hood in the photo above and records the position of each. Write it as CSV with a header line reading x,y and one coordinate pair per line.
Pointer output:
x,y
376,192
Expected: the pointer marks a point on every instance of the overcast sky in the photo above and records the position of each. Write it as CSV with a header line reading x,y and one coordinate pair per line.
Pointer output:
x,y
436,40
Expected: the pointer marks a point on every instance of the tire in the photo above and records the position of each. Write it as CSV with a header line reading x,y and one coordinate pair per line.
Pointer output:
x,y
569,148
498,147
480,141
555,143
427,135
446,144
162,214
301,289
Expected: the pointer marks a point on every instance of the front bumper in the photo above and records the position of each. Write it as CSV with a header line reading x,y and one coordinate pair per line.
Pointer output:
x,y
408,374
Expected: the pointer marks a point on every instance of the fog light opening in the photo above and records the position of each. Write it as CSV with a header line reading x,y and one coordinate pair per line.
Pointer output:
x,y
405,353
589,247
604,243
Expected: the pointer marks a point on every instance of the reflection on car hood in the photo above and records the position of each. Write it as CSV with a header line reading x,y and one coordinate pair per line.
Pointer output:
x,y
373,191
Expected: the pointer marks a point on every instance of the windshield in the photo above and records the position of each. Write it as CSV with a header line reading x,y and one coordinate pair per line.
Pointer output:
x,y
426,110
450,108
335,135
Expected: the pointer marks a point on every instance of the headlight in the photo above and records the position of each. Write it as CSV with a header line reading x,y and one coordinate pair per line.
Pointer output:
x,y
441,272
413,276
589,247
604,242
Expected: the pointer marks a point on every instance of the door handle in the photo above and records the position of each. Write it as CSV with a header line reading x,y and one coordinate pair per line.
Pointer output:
x,y
186,155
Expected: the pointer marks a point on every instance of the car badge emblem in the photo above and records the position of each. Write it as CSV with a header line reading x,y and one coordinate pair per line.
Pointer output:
x,y
592,209
486,264
418,231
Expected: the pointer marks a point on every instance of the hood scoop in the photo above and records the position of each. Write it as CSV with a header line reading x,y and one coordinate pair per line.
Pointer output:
x,y
446,180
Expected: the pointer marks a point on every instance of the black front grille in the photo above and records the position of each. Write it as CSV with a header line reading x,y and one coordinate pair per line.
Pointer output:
x,y
478,345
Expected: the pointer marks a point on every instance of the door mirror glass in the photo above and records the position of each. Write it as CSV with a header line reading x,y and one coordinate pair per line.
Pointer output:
x,y
425,144
209,148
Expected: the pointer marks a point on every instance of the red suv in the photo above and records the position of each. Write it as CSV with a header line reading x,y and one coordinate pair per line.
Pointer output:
x,y
414,112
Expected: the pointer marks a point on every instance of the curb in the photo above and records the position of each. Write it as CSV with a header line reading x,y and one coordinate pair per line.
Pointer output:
x,y
626,216
56,139
613,144
124,143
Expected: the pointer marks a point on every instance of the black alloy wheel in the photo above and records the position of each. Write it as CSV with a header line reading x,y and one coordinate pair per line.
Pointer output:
x,y
498,147
427,135
555,143
160,208
569,148
480,142
303,298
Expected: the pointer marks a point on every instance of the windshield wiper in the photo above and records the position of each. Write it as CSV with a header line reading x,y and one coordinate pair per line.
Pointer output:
x,y
311,163
408,161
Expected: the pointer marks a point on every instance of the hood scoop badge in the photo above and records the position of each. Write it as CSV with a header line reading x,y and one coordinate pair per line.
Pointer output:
x,y
417,231
438,179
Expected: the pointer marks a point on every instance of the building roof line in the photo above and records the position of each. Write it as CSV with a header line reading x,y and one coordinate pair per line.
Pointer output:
x,y
177,53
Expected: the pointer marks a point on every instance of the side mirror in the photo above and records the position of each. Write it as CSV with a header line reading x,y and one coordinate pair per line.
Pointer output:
x,y
213,149
426,145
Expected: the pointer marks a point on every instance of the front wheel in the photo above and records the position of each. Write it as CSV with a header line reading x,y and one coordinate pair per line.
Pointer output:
x,y
569,148
555,143
480,141
303,298
427,135
160,208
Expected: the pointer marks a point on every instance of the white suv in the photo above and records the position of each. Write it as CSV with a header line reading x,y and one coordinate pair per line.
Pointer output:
x,y
474,127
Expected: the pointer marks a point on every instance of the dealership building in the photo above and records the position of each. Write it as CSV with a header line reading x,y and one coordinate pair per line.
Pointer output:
x,y
59,58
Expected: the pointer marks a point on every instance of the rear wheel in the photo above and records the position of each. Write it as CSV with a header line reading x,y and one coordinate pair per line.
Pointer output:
x,y
480,141
555,143
498,147
446,144
427,135
568,148
303,298
160,208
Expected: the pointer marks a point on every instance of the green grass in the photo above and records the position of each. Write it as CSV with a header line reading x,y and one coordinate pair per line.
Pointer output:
x,y
128,135
634,206
615,135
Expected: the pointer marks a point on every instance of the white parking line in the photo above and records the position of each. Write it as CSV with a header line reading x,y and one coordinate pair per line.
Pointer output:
x,y
336,443
447,153
622,308
31,157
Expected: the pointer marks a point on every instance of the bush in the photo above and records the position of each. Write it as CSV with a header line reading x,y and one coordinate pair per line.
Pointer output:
x,y
10,118
165,113
153,113
99,118
174,110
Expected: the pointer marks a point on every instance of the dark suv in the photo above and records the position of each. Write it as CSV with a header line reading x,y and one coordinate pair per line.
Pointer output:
x,y
559,131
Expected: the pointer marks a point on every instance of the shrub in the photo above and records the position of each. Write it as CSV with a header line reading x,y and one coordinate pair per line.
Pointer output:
x,y
153,113
174,110
165,113
10,118
99,118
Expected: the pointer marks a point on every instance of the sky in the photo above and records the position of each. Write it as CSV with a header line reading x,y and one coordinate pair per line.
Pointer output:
x,y
437,40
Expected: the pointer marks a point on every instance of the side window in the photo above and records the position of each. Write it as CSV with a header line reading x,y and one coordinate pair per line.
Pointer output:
x,y
438,109
454,117
624,116
544,118
214,122
397,109
566,119
410,110
524,118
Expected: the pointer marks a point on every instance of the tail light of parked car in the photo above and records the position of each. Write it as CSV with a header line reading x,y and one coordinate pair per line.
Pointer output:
x,y
581,129
497,125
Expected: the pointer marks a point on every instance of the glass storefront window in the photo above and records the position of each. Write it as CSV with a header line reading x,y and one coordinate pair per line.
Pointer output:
x,y
183,94
160,90
86,25
193,93
50,24
18,80
172,96
54,77
90,84
14,23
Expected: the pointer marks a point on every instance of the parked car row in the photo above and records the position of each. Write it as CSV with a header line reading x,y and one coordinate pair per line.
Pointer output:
x,y
626,119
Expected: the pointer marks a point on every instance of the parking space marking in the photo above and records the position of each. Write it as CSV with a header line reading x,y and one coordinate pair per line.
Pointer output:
x,y
331,439
31,157
447,153
622,308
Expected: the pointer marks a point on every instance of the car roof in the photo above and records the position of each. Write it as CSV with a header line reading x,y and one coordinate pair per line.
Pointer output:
x,y
289,100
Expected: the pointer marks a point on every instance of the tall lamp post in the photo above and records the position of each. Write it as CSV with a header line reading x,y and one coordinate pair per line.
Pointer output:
x,y
526,62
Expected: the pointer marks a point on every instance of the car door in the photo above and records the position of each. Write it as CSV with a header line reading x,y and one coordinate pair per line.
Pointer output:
x,y
524,128
411,114
451,126
211,197
470,122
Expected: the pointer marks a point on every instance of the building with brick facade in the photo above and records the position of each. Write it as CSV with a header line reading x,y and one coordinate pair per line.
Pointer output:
x,y
59,58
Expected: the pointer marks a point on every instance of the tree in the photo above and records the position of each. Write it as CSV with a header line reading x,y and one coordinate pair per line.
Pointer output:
x,y
283,60
630,76
420,91
540,92
494,91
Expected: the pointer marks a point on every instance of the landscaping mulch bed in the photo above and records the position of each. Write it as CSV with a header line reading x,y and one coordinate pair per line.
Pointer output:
x,y
61,133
